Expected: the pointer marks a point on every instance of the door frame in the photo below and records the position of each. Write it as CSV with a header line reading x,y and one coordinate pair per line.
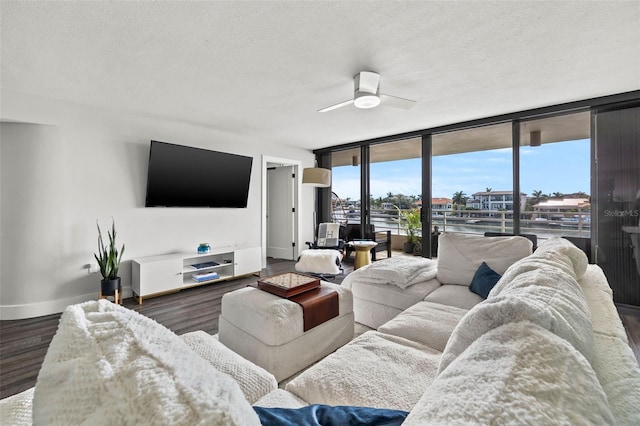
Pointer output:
x,y
267,162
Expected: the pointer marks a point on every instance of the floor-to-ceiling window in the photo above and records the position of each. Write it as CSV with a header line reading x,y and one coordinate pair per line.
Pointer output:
x,y
555,175
545,187
396,190
345,186
472,180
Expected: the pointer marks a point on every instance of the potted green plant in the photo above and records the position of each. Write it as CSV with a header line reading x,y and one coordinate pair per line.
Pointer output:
x,y
109,259
417,247
412,223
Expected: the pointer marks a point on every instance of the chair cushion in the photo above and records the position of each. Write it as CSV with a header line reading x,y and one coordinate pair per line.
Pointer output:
x,y
322,261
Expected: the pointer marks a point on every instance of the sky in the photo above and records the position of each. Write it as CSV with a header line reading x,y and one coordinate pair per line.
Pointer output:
x,y
553,167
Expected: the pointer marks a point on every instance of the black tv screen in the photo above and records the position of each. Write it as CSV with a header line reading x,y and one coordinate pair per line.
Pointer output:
x,y
182,176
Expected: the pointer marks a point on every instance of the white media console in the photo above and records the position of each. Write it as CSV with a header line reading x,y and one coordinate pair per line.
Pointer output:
x,y
155,275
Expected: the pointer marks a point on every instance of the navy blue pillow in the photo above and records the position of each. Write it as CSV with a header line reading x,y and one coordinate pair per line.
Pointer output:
x,y
327,415
483,280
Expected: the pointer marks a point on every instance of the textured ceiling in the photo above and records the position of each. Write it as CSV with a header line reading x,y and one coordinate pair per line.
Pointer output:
x,y
262,69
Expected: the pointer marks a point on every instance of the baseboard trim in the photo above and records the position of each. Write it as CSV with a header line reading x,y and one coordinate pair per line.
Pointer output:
x,y
48,307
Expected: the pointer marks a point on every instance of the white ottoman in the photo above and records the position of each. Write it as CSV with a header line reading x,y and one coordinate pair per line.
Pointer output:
x,y
268,330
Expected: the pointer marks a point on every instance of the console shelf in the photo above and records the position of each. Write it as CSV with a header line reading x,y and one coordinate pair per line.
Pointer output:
x,y
155,275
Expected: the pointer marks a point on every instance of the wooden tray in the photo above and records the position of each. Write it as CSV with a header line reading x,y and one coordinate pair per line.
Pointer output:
x,y
318,306
288,284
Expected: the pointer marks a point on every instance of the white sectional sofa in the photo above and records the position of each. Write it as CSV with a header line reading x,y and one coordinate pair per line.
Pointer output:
x,y
545,347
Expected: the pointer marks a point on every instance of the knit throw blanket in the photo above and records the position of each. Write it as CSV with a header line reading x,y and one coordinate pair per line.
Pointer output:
x,y
110,365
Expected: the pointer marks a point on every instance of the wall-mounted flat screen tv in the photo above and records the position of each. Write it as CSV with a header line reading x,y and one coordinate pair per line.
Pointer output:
x,y
182,176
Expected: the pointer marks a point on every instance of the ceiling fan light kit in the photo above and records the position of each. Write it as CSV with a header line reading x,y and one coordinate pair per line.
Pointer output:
x,y
366,94
365,100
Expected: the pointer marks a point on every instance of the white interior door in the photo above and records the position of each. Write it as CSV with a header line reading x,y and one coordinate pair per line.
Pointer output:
x,y
280,212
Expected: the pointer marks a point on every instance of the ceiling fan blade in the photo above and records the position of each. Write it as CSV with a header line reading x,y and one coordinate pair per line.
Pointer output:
x,y
367,81
396,102
336,106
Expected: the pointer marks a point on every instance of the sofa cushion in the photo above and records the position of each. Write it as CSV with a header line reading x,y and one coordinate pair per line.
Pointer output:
x,y
373,370
373,314
516,374
428,323
400,271
613,359
454,295
254,381
391,295
619,375
280,398
483,280
605,316
110,365
460,255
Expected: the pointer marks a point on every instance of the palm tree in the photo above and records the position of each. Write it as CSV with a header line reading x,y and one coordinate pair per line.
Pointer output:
x,y
557,195
489,189
389,198
459,198
537,196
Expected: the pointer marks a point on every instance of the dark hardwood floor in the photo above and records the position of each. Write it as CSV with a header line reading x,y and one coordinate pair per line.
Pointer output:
x,y
24,343
630,316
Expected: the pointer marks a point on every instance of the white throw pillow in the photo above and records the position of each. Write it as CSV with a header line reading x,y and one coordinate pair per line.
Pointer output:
x,y
460,255
517,374
110,365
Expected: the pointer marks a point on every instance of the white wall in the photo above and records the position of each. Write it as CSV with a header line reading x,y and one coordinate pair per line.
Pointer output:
x,y
65,166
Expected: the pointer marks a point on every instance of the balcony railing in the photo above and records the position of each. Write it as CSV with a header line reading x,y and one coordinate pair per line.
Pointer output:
x,y
544,225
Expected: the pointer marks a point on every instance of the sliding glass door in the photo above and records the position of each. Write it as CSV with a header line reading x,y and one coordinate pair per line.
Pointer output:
x,y
345,186
617,193
395,187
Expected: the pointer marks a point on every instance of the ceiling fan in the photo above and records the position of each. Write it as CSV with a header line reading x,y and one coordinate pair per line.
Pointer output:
x,y
366,94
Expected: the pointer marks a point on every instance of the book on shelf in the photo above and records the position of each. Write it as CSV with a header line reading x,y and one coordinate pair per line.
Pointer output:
x,y
204,265
205,276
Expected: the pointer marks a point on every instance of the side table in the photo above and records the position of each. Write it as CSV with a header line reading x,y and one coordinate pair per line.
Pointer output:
x,y
363,252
